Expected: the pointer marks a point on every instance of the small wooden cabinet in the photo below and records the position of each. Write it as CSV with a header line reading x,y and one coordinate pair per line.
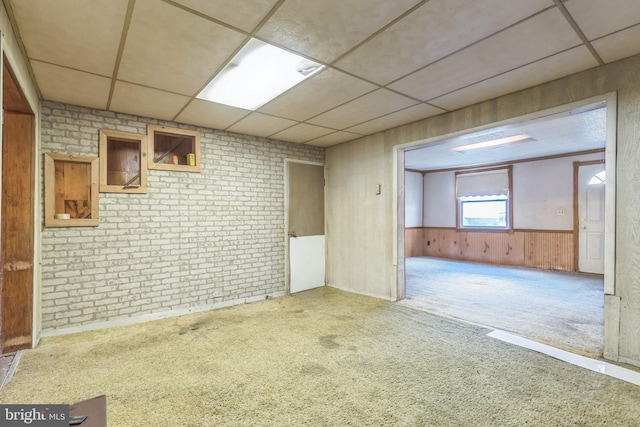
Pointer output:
x,y
173,149
123,162
71,190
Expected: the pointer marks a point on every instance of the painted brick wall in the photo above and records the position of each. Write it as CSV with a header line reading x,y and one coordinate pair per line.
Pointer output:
x,y
195,240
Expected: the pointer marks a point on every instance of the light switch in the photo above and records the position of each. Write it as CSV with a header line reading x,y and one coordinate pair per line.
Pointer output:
x,y
378,189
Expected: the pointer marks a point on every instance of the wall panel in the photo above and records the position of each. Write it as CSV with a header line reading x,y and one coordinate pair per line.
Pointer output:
x,y
551,251
536,249
413,242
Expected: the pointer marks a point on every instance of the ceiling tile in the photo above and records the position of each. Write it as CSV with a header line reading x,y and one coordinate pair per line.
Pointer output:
x,y
326,29
619,45
302,132
597,18
367,107
402,117
566,132
210,114
318,94
545,34
417,40
333,139
551,68
147,102
243,14
89,90
74,33
170,49
261,125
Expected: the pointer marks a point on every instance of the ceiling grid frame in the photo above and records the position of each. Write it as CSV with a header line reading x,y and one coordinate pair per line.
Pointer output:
x,y
28,17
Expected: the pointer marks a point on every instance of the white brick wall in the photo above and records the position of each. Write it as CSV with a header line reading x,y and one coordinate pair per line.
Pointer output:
x,y
195,240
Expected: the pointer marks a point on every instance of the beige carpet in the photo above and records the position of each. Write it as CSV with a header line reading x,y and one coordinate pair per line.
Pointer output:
x,y
562,309
319,358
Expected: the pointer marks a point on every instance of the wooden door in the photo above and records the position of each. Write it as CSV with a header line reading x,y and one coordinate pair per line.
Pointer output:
x,y
306,226
16,254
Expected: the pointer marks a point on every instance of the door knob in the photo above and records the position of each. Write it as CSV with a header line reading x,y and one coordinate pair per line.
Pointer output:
x,y
583,227
292,234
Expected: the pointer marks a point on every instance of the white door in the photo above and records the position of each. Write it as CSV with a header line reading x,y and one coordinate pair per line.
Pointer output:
x,y
591,203
305,226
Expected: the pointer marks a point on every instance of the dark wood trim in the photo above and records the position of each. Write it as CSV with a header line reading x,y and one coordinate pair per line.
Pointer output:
x,y
510,198
414,170
484,230
576,230
457,202
13,98
513,162
438,228
515,230
590,162
531,230
462,171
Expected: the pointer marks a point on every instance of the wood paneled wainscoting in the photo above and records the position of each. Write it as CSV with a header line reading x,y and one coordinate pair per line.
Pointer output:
x,y
547,249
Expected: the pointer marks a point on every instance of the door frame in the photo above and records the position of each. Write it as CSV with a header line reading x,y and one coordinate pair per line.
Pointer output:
x,y
287,266
576,204
612,302
22,103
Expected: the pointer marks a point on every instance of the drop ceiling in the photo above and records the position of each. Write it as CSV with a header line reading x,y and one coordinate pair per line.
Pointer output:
x,y
388,63
579,131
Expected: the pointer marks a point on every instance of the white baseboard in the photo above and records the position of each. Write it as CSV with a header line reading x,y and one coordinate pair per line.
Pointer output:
x,y
599,366
366,294
155,316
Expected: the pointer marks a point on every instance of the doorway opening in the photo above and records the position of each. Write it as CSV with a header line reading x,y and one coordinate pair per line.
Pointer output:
x,y
520,271
304,226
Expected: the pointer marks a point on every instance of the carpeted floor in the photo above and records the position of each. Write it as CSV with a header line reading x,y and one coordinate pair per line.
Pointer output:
x,y
562,309
319,358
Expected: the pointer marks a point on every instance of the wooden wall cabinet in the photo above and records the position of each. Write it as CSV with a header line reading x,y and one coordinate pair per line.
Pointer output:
x,y
172,149
123,162
71,187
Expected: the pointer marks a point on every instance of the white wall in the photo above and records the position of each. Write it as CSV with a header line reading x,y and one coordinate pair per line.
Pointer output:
x,y
439,199
540,189
413,199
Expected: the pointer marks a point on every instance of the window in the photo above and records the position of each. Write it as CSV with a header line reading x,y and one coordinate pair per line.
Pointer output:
x,y
598,178
483,199
483,212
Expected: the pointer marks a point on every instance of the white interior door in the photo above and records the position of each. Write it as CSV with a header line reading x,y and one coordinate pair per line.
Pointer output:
x,y
305,226
591,204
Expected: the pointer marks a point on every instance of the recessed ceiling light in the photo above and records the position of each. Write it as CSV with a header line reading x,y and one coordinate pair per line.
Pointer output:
x,y
256,75
492,142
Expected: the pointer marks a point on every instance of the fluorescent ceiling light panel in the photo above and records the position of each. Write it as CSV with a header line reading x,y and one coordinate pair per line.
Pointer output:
x,y
256,75
492,143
